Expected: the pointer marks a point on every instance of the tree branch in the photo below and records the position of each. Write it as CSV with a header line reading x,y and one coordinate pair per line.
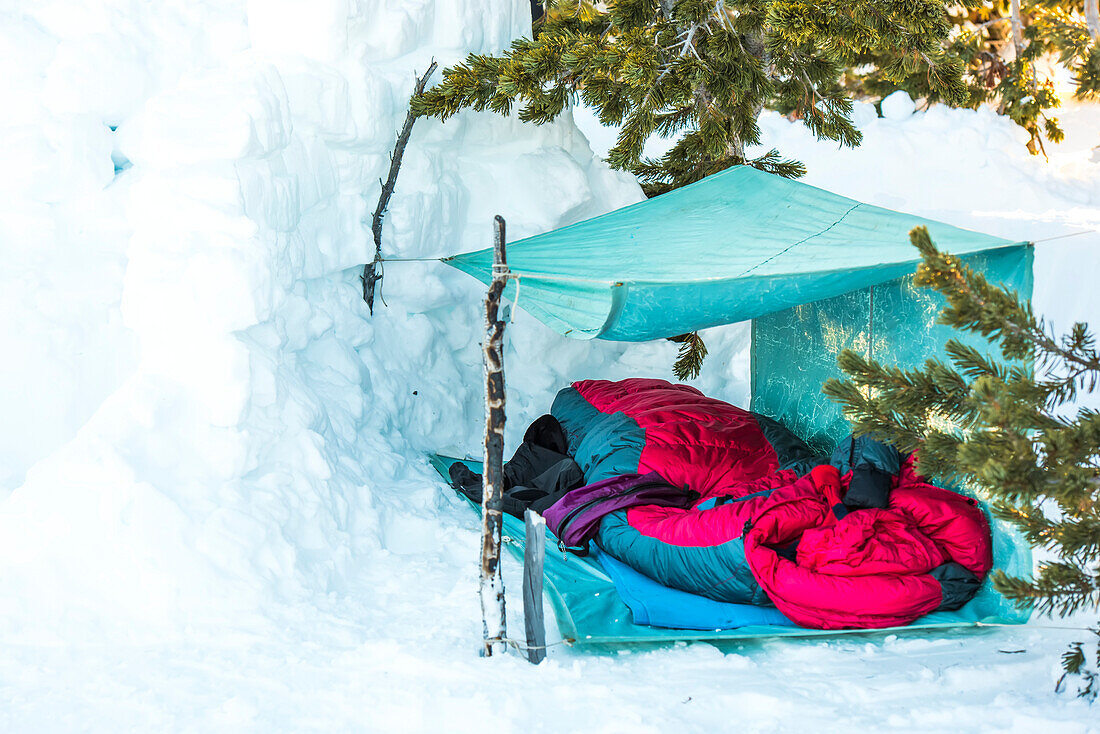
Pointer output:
x,y
372,271
1092,18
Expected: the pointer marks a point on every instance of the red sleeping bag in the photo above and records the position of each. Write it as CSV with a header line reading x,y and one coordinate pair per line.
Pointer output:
x,y
764,535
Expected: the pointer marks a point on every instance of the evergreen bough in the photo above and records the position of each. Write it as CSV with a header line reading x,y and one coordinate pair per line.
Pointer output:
x,y
1002,426
1004,47
689,360
703,70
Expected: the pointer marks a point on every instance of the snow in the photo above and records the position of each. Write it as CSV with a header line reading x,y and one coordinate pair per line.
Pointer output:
x,y
214,507
897,106
984,681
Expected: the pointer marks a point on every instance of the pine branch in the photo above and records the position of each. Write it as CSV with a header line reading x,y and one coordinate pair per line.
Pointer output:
x,y
703,70
692,352
974,305
996,427
1058,588
705,66
770,162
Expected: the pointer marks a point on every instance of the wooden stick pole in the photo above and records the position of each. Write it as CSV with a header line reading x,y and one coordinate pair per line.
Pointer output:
x,y
491,584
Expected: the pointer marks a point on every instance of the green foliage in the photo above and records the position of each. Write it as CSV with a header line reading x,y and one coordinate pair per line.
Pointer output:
x,y
1000,424
689,361
1087,74
703,70
1001,62
1074,662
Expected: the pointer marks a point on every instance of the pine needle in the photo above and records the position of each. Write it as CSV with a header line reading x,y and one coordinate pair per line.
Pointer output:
x,y
689,361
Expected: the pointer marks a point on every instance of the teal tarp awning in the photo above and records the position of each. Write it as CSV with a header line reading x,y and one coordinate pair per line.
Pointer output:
x,y
735,246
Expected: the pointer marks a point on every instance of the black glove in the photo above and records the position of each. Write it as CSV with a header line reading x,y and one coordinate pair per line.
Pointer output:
x,y
869,488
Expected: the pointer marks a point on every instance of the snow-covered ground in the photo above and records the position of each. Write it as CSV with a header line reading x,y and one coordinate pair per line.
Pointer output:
x,y
214,507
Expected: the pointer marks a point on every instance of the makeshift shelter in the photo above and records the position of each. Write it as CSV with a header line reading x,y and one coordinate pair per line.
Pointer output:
x,y
815,273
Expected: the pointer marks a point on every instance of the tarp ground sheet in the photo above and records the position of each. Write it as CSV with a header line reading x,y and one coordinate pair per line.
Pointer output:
x,y
590,611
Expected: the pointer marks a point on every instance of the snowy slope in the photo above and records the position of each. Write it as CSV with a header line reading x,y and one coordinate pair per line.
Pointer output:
x,y
214,510
228,461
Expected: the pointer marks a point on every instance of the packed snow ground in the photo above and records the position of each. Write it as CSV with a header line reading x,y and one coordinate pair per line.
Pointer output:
x,y
214,507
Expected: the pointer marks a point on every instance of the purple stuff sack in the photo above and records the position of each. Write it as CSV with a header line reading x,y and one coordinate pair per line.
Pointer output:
x,y
575,518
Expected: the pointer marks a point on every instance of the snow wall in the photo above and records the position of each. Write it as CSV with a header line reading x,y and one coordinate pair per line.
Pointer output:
x,y
204,428
203,420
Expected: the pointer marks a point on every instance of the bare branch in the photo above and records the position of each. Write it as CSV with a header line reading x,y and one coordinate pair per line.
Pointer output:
x,y
372,272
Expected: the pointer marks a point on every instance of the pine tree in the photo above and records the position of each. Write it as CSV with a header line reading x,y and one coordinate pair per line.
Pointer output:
x,y
1001,45
703,70
1072,31
1001,426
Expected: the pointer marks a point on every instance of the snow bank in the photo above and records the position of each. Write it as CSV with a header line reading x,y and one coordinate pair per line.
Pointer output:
x,y
208,420
209,426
